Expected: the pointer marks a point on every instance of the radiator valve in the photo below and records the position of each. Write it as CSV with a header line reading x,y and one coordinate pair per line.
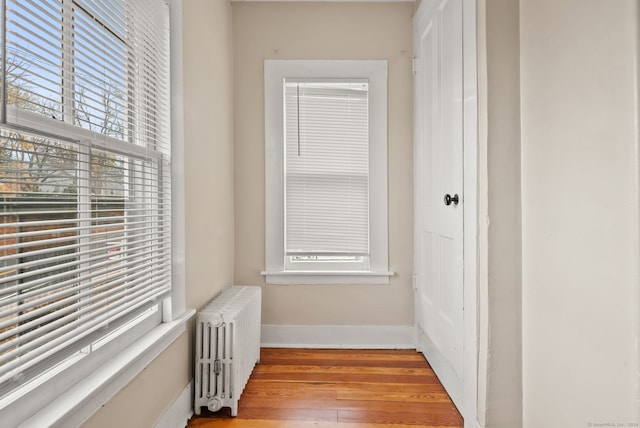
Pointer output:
x,y
214,404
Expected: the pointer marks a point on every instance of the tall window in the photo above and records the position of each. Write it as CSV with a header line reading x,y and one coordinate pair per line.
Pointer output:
x,y
326,171
85,250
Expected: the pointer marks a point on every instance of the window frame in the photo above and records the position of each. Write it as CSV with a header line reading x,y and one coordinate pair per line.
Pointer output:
x,y
72,392
275,73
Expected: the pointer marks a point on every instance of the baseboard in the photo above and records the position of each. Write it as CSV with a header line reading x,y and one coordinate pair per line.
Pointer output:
x,y
471,424
339,336
445,373
180,411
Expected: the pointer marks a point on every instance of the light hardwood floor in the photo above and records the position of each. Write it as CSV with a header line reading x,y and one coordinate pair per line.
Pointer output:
x,y
305,388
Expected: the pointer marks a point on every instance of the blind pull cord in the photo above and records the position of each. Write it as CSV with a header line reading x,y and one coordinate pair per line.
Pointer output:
x,y
298,112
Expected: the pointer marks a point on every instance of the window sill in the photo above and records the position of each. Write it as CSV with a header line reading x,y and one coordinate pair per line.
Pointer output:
x,y
327,277
76,405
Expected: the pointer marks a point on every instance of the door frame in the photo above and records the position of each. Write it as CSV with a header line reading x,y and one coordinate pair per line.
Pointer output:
x,y
465,396
470,222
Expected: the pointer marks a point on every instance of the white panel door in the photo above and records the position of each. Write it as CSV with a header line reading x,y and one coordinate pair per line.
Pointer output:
x,y
438,170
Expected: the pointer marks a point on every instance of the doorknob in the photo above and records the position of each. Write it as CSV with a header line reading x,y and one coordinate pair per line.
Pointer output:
x,y
448,199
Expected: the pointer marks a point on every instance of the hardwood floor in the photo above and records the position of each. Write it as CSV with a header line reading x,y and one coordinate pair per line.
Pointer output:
x,y
304,388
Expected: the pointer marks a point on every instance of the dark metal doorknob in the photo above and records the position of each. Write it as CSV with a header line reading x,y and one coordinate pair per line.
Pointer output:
x,y
448,199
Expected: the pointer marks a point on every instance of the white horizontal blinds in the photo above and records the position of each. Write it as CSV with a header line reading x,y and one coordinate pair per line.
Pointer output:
x,y
34,56
84,245
85,237
148,58
102,65
327,168
97,67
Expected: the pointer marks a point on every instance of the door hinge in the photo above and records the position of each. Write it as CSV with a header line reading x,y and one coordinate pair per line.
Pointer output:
x,y
415,282
415,65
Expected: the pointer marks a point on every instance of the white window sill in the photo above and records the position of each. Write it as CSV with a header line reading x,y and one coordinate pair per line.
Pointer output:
x,y
77,404
327,277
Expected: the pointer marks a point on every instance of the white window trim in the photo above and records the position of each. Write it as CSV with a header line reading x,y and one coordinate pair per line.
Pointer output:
x,y
73,406
275,71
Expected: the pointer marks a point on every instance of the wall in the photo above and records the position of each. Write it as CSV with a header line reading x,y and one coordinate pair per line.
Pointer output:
x,y
504,364
500,243
208,80
558,136
208,109
323,31
580,211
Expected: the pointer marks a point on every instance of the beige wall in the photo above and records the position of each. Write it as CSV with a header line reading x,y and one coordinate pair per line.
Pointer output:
x,y
500,368
323,31
145,399
208,106
558,141
580,211
208,87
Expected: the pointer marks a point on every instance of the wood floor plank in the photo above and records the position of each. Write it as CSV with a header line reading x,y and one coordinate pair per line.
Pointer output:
x,y
357,405
303,388
264,423
347,362
287,392
384,387
273,356
348,377
284,414
371,388
407,418
394,395
330,369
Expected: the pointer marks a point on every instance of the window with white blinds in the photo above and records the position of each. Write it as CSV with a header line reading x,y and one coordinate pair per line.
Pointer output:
x,y
327,168
85,182
326,172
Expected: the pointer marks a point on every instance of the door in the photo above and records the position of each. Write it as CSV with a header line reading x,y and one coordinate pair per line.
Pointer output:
x,y
438,198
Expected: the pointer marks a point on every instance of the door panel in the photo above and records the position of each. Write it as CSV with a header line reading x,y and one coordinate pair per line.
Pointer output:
x,y
438,171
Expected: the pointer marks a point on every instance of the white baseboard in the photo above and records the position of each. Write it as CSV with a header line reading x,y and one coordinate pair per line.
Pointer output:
x,y
471,424
445,373
339,336
180,411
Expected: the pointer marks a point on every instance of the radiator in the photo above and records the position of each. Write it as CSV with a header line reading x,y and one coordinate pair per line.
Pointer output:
x,y
227,347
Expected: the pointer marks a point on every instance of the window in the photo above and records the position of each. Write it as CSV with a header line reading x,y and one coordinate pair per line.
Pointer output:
x,y
326,172
85,185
